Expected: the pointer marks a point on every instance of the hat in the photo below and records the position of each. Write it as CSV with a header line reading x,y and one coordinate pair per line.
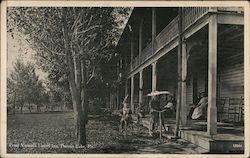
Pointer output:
x,y
158,93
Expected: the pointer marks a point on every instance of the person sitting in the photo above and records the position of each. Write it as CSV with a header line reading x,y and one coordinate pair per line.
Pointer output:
x,y
200,109
169,106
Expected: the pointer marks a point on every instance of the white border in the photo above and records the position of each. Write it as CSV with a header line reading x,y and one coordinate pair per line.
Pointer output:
x,y
122,4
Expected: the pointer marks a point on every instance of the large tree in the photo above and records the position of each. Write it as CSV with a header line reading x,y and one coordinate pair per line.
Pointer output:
x,y
70,43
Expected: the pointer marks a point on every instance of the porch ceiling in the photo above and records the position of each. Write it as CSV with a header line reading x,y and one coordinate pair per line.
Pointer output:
x,y
230,41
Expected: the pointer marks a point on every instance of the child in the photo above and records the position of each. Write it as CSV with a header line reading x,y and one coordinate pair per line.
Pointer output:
x,y
126,114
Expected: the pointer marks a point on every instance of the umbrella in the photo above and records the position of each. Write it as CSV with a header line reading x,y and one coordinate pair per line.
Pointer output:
x,y
158,93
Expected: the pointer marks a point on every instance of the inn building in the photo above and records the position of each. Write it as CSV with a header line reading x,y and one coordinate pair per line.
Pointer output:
x,y
187,51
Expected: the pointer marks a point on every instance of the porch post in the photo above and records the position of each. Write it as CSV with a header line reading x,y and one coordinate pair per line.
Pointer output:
x,y
117,98
140,38
153,29
132,50
141,87
212,76
126,87
183,85
154,75
178,109
153,39
132,94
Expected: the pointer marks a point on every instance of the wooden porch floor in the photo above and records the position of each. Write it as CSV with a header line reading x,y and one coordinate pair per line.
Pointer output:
x,y
230,137
201,125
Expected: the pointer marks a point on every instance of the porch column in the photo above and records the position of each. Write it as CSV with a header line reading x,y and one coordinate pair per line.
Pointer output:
x,y
132,94
183,85
140,38
154,75
153,28
179,86
212,76
131,50
140,87
118,99
126,88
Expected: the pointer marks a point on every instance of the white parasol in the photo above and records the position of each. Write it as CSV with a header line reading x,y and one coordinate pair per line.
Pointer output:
x,y
158,93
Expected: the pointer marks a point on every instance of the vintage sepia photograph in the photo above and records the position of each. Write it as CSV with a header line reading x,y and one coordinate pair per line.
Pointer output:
x,y
125,80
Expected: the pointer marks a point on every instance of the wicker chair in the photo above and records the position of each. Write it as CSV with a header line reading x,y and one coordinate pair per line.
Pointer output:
x,y
234,109
220,108
241,117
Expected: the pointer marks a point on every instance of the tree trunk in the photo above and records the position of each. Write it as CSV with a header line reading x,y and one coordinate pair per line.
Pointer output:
x,y
29,108
81,131
14,104
76,86
21,108
38,108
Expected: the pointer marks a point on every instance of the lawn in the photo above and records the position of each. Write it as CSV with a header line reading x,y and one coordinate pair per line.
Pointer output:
x,y
56,129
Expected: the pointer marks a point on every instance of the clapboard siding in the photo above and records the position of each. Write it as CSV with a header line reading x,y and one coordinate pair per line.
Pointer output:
x,y
237,70
232,76
235,73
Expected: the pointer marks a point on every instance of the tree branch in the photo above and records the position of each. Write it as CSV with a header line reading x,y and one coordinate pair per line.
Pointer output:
x,y
89,29
51,51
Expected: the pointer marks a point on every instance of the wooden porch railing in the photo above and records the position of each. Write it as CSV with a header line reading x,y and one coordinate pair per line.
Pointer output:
x,y
170,32
136,62
146,52
191,15
167,34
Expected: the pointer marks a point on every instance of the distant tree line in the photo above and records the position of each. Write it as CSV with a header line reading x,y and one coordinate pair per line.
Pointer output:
x,y
25,89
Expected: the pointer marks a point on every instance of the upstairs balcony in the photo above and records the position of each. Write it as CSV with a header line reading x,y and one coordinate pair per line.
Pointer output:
x,y
170,33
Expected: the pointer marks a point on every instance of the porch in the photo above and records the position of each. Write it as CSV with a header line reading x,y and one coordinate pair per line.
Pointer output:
x,y
199,50
229,139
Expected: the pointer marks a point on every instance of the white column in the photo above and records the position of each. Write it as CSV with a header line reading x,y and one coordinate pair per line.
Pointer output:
x,y
183,85
140,87
126,87
153,28
212,76
131,50
140,38
154,75
132,94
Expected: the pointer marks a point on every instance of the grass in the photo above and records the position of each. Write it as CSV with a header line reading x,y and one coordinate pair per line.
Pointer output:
x,y
44,129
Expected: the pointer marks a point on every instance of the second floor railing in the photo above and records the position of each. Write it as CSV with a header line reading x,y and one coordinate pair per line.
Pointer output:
x,y
146,52
167,34
189,16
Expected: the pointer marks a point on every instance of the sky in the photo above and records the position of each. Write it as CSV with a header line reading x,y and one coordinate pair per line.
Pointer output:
x,y
19,48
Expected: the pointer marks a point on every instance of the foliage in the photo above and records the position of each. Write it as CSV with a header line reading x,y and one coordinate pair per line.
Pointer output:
x,y
92,31
70,44
23,85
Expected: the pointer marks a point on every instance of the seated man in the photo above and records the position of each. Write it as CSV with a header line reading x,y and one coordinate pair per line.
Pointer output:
x,y
200,109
